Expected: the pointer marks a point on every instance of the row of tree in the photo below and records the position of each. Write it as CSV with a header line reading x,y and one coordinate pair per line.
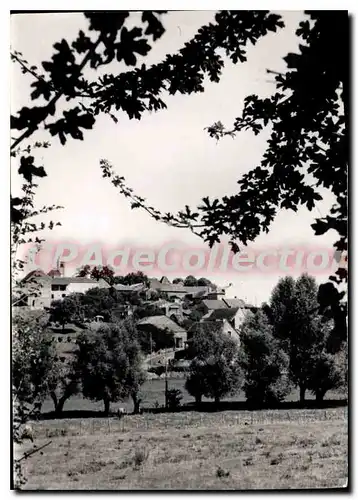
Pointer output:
x,y
285,344
108,274
106,364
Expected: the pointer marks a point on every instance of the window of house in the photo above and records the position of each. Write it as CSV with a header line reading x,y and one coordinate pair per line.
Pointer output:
x,y
63,295
62,287
52,295
33,302
55,288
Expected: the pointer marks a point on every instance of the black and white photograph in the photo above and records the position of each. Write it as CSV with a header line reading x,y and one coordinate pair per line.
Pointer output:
x,y
179,250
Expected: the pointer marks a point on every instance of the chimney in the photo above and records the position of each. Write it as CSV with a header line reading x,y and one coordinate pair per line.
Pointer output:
x,y
62,269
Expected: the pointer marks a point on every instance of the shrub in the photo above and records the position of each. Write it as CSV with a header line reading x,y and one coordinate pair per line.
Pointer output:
x,y
174,397
158,370
140,456
220,472
326,374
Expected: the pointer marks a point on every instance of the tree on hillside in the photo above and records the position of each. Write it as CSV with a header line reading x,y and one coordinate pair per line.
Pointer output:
x,y
196,312
103,272
196,381
84,271
33,357
190,281
281,310
109,363
205,282
264,363
153,339
310,332
63,310
81,306
32,361
146,310
37,368
341,360
64,382
178,280
325,375
101,301
214,371
330,302
304,334
132,278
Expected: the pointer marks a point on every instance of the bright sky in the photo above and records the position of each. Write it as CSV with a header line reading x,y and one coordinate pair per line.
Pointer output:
x,y
166,157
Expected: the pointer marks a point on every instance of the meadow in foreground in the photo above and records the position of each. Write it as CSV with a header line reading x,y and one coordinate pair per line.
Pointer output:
x,y
192,450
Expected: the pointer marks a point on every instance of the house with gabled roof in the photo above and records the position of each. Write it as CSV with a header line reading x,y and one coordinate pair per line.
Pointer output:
x,y
239,303
213,304
180,291
136,287
166,325
41,289
226,318
230,317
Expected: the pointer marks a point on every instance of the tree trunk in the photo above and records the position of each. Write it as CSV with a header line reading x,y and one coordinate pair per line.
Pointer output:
x,y
198,399
107,404
54,399
59,402
136,403
302,393
320,396
60,405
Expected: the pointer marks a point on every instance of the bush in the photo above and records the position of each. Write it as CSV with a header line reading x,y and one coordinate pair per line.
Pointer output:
x,y
140,456
326,374
158,370
220,472
174,397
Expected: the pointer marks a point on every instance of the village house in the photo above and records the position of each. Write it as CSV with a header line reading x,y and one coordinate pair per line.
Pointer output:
x,y
41,289
179,291
227,319
229,312
165,325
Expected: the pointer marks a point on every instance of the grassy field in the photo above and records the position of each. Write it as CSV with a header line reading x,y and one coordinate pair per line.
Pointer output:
x,y
192,450
153,391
